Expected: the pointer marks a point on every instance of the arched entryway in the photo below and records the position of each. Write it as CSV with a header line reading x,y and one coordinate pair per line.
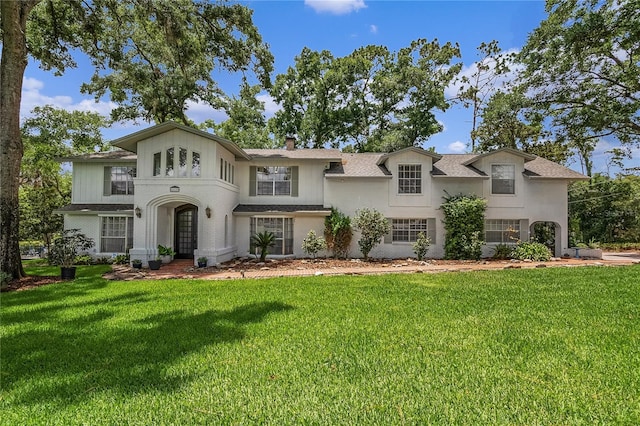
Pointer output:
x,y
186,231
547,233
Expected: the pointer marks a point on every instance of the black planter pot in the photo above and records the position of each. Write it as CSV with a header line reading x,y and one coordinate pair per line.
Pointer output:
x,y
137,265
202,264
155,264
68,273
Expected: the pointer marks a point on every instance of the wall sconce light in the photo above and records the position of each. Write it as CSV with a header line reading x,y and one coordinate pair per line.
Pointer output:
x,y
138,212
207,211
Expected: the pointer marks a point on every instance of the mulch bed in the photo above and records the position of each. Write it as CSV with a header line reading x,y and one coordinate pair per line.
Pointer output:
x,y
30,282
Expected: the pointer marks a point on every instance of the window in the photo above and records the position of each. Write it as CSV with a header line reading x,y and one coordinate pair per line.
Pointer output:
x,y
119,180
273,181
502,231
409,179
157,164
169,168
282,228
503,178
116,234
182,162
195,164
407,230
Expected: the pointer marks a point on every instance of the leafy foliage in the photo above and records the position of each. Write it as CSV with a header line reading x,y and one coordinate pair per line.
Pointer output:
x,y
338,233
373,99
312,244
263,240
531,250
421,246
502,251
605,210
581,67
372,226
68,246
464,226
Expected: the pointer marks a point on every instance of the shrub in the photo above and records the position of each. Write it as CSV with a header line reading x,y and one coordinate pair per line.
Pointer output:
x,y
67,246
338,233
531,251
165,251
263,240
312,244
502,251
464,226
421,246
121,259
83,259
372,226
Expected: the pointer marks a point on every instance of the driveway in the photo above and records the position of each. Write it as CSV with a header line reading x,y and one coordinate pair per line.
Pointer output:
x,y
623,256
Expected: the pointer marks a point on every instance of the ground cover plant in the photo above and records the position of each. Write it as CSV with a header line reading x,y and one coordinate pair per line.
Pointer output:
x,y
543,346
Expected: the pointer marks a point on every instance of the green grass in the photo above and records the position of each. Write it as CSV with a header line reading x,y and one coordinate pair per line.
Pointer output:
x,y
544,346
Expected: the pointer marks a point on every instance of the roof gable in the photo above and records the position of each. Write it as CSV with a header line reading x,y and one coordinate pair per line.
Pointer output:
x,y
526,156
130,142
413,149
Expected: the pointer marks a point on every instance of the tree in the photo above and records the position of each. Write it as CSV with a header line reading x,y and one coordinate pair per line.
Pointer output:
x,y
374,99
477,88
246,124
152,57
338,233
372,226
263,240
581,67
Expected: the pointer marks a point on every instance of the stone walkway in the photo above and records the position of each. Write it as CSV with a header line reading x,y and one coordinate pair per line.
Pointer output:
x,y
184,269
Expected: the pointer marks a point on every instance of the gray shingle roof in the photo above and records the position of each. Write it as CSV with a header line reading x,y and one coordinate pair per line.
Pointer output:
x,y
96,208
116,155
541,168
279,208
453,165
297,154
359,165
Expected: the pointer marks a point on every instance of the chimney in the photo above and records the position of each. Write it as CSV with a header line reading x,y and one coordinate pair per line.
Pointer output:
x,y
290,143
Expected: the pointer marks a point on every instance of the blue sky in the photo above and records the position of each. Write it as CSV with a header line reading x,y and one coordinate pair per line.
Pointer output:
x,y
339,26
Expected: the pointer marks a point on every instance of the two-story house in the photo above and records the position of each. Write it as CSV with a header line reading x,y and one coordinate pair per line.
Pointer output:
x,y
204,196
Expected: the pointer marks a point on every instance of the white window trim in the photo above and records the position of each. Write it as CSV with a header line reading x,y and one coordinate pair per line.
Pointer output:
x,y
515,191
411,194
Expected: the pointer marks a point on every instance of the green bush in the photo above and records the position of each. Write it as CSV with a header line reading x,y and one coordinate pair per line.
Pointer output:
x,y
421,246
121,259
312,244
83,259
502,251
338,233
464,226
531,251
372,226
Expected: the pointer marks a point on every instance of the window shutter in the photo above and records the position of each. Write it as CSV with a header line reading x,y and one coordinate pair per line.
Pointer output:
x,y
294,181
107,182
388,237
252,181
431,229
524,229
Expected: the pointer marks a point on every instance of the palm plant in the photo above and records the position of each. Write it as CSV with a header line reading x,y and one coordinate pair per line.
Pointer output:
x,y
263,240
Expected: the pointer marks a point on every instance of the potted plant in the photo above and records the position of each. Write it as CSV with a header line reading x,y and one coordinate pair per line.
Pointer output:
x,y
165,253
136,263
202,262
65,249
154,264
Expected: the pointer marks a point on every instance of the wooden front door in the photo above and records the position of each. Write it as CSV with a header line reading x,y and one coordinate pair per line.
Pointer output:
x,y
186,231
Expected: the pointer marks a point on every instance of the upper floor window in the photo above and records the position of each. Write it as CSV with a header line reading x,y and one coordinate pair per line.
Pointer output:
x,y
409,179
118,180
273,181
407,230
502,231
179,163
503,177
226,171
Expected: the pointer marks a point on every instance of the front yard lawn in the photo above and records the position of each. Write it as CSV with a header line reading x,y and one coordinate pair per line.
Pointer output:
x,y
544,346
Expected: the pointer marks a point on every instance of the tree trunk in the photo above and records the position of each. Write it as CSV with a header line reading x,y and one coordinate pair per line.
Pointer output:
x,y
12,66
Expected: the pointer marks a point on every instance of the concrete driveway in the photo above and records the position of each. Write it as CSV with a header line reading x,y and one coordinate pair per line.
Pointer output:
x,y
623,256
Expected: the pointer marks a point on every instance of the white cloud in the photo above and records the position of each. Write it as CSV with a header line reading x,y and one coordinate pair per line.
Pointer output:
x,y
270,106
337,7
200,111
457,147
33,97
373,29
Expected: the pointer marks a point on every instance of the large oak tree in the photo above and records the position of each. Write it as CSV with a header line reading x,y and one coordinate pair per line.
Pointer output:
x,y
150,57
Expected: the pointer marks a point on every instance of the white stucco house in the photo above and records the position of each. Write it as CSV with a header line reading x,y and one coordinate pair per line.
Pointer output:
x,y
204,196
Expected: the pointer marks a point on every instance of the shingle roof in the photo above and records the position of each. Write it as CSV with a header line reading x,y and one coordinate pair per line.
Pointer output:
x,y
542,168
118,154
96,208
280,208
359,165
453,165
297,154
